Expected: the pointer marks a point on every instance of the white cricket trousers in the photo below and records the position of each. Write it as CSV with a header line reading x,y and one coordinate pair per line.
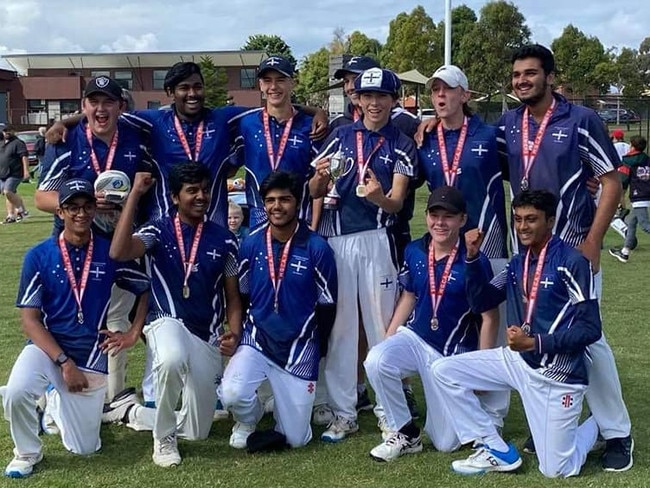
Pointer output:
x,y
367,281
294,397
117,320
78,415
604,394
405,354
183,364
499,403
552,408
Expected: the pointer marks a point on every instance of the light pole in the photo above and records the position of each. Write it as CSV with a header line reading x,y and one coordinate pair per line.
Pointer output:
x,y
447,31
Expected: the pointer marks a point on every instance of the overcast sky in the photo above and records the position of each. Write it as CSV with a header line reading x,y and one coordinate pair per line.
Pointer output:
x,y
37,26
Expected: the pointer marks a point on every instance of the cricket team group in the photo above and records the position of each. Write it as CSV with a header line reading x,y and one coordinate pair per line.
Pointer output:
x,y
325,290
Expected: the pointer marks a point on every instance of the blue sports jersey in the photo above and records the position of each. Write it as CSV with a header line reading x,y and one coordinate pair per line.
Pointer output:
x,y
251,152
458,327
478,179
397,154
216,258
44,285
566,318
575,147
71,159
221,127
287,337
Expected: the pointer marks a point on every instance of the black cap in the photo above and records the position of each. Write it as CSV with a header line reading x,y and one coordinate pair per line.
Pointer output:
x,y
105,85
447,197
276,63
74,188
356,65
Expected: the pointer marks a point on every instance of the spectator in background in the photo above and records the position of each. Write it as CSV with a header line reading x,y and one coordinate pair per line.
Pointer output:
x,y
39,149
622,147
236,220
635,174
14,168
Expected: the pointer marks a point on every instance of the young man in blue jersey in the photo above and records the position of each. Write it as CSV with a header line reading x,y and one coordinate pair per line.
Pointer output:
x,y
432,319
288,282
553,316
63,296
275,138
378,163
100,143
554,145
192,264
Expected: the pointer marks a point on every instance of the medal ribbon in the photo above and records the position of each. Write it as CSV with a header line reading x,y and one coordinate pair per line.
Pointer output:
x,y
188,264
273,159
437,293
111,151
361,165
181,137
531,296
276,279
78,289
529,154
450,174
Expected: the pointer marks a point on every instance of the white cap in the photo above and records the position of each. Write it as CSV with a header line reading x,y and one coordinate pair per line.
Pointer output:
x,y
450,74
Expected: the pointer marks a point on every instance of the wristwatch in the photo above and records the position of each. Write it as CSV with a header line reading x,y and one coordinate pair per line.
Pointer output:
x,y
60,359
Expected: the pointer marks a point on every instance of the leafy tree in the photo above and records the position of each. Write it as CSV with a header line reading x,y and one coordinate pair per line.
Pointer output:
x,y
463,20
486,48
411,42
644,61
623,71
314,78
360,44
576,58
272,44
338,43
215,83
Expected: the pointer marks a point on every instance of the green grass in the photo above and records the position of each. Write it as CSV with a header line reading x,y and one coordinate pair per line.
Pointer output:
x,y
125,459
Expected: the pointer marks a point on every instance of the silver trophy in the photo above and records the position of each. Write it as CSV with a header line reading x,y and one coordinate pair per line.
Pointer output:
x,y
336,165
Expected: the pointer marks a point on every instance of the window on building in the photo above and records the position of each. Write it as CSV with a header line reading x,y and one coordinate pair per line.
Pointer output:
x,y
124,79
36,105
247,77
95,74
69,107
153,104
159,79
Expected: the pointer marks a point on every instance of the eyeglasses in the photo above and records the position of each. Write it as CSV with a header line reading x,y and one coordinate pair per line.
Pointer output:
x,y
88,208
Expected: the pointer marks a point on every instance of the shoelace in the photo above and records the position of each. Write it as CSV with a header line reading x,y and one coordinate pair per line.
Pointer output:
x,y
167,444
396,439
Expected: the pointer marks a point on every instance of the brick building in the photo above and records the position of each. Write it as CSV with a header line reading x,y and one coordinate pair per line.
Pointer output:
x,y
48,87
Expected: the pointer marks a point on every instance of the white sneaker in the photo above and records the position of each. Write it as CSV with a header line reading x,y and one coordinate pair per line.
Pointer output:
x,y
22,466
396,445
338,429
386,432
240,433
323,415
485,460
116,411
165,452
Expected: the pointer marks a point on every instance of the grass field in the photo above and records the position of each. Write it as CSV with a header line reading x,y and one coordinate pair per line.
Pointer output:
x,y
125,459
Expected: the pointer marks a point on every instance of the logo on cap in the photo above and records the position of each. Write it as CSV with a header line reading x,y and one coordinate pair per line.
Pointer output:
x,y
272,61
102,82
372,78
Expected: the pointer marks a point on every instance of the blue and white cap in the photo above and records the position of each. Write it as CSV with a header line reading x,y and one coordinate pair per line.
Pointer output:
x,y
276,63
356,65
76,187
378,80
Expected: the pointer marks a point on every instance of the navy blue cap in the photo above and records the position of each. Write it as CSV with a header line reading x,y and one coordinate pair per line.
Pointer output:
x,y
448,197
105,85
356,65
74,188
378,80
276,63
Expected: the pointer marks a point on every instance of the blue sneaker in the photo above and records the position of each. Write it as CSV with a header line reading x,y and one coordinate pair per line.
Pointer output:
x,y
485,460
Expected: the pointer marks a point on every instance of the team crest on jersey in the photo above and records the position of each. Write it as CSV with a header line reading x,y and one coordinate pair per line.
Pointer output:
x,y
97,271
546,282
298,265
560,134
387,282
479,149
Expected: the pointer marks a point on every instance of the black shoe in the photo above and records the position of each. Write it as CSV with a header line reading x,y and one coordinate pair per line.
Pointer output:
x,y
618,454
363,402
529,445
618,254
410,401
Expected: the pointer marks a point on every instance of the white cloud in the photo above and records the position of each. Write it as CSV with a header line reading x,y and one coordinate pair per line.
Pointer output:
x,y
127,43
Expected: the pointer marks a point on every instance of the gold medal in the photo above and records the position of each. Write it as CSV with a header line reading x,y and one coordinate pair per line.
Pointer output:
x,y
361,191
186,291
434,323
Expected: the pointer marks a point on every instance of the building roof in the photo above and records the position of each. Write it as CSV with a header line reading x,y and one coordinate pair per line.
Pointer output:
x,y
78,61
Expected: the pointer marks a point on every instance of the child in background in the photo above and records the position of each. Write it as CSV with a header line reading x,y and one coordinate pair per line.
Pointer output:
x,y
235,221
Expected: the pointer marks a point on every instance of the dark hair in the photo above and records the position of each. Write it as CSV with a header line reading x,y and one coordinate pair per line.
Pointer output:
x,y
639,143
536,51
542,200
281,180
180,72
187,172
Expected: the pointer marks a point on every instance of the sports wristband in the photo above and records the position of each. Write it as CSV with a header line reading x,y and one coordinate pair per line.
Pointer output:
x,y
61,359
